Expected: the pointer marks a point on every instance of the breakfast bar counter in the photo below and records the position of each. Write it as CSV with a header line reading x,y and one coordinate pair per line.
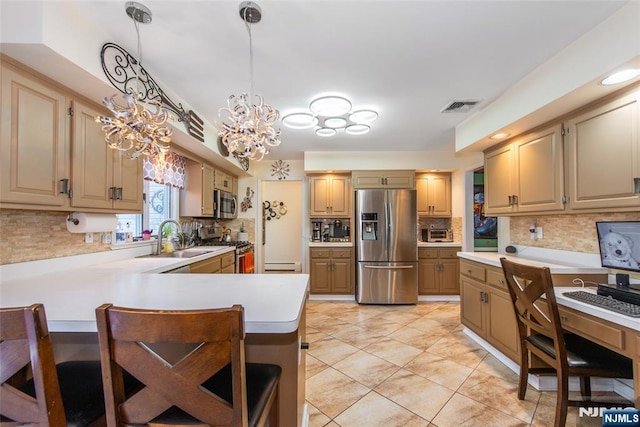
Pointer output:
x,y
274,308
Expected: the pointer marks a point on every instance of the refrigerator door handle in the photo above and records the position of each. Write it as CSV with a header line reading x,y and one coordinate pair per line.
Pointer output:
x,y
385,267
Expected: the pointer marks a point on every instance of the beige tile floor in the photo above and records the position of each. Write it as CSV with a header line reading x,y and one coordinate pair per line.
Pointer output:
x,y
385,365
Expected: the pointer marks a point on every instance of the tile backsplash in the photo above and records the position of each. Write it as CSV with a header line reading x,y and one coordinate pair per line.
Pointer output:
x,y
566,232
35,235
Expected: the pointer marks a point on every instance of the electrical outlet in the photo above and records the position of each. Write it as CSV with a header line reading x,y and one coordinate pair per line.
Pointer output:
x,y
105,238
539,234
88,237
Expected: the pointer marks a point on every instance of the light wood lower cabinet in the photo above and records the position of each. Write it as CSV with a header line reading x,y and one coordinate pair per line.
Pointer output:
x,y
224,263
332,271
438,272
485,306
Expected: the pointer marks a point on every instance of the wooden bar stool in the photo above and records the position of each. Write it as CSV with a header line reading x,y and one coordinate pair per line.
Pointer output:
x,y
203,381
70,393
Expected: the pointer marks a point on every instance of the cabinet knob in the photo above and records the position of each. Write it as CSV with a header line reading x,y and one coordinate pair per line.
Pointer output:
x,y
304,345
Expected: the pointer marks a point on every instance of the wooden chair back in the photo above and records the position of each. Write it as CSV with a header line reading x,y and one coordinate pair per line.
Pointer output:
x,y
534,314
127,340
25,348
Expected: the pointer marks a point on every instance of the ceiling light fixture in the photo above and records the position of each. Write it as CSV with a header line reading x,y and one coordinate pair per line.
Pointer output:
x,y
248,130
136,128
329,113
499,135
621,76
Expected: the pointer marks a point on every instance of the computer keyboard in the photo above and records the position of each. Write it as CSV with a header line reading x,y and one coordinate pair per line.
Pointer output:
x,y
608,303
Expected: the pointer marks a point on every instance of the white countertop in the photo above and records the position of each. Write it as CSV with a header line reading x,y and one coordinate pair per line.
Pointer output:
x,y
602,313
438,244
273,303
330,244
493,258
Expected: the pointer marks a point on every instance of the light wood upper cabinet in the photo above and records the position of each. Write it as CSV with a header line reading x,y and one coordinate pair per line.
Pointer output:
x,y
196,199
526,175
34,149
102,177
330,195
223,181
434,195
383,179
603,151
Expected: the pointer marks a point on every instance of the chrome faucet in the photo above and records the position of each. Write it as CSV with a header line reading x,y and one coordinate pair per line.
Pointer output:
x,y
161,232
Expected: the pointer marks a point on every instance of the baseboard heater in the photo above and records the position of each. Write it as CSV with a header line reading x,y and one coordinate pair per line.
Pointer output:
x,y
282,266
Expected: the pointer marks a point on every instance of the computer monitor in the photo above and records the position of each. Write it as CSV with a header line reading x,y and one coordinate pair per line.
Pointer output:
x,y
619,244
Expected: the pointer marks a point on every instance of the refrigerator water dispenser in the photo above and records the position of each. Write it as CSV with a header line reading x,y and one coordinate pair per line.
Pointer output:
x,y
369,226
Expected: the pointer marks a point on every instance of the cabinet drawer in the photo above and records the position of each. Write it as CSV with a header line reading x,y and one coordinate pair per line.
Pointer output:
x,y
603,334
496,278
341,253
228,259
449,252
428,253
211,265
320,253
476,271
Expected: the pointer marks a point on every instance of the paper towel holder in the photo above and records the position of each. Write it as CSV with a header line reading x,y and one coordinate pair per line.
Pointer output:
x,y
70,218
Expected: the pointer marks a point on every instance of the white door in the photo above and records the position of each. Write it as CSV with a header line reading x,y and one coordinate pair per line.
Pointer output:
x,y
282,248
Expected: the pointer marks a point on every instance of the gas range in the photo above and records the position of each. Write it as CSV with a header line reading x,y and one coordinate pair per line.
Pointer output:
x,y
242,247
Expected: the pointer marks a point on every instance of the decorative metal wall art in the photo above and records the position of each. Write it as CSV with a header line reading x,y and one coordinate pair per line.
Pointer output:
x,y
246,203
280,169
120,68
274,210
244,161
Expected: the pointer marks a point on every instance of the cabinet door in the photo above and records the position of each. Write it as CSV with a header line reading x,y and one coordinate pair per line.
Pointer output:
x,y
422,196
92,161
340,199
34,151
127,179
208,174
501,327
434,195
603,151
223,181
367,179
342,276
319,205
471,305
399,179
207,266
498,181
448,275
539,172
427,283
320,280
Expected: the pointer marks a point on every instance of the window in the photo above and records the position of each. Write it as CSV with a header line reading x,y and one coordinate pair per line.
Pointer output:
x,y
160,203
163,177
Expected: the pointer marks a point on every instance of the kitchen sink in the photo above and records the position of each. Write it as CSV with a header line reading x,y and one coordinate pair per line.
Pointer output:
x,y
183,253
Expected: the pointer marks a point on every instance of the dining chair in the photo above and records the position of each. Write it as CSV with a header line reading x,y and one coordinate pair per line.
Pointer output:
x,y
34,389
540,333
192,365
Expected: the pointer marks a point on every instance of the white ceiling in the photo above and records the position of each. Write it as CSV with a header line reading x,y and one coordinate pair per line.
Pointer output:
x,y
406,59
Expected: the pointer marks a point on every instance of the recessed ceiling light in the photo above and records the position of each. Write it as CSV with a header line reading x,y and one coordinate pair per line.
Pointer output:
x,y
621,76
358,129
330,106
335,122
363,116
325,132
299,120
499,135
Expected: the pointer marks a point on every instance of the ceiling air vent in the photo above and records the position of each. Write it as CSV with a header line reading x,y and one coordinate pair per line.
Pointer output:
x,y
459,106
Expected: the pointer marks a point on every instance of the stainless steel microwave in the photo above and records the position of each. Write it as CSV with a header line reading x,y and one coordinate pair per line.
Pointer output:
x,y
225,205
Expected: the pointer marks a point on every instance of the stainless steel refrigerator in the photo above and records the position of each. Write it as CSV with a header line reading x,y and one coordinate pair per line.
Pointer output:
x,y
386,247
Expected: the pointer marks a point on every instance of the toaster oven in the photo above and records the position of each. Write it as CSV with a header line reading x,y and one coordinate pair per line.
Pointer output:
x,y
437,235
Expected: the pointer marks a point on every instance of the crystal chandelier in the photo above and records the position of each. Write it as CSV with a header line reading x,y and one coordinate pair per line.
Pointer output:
x,y
248,129
136,128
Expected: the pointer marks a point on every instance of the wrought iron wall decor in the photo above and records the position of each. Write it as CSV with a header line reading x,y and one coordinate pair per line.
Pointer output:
x,y
120,68
280,169
246,203
274,210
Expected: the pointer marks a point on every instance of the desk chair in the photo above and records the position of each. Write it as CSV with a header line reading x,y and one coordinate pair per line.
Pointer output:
x,y
209,383
67,394
541,333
